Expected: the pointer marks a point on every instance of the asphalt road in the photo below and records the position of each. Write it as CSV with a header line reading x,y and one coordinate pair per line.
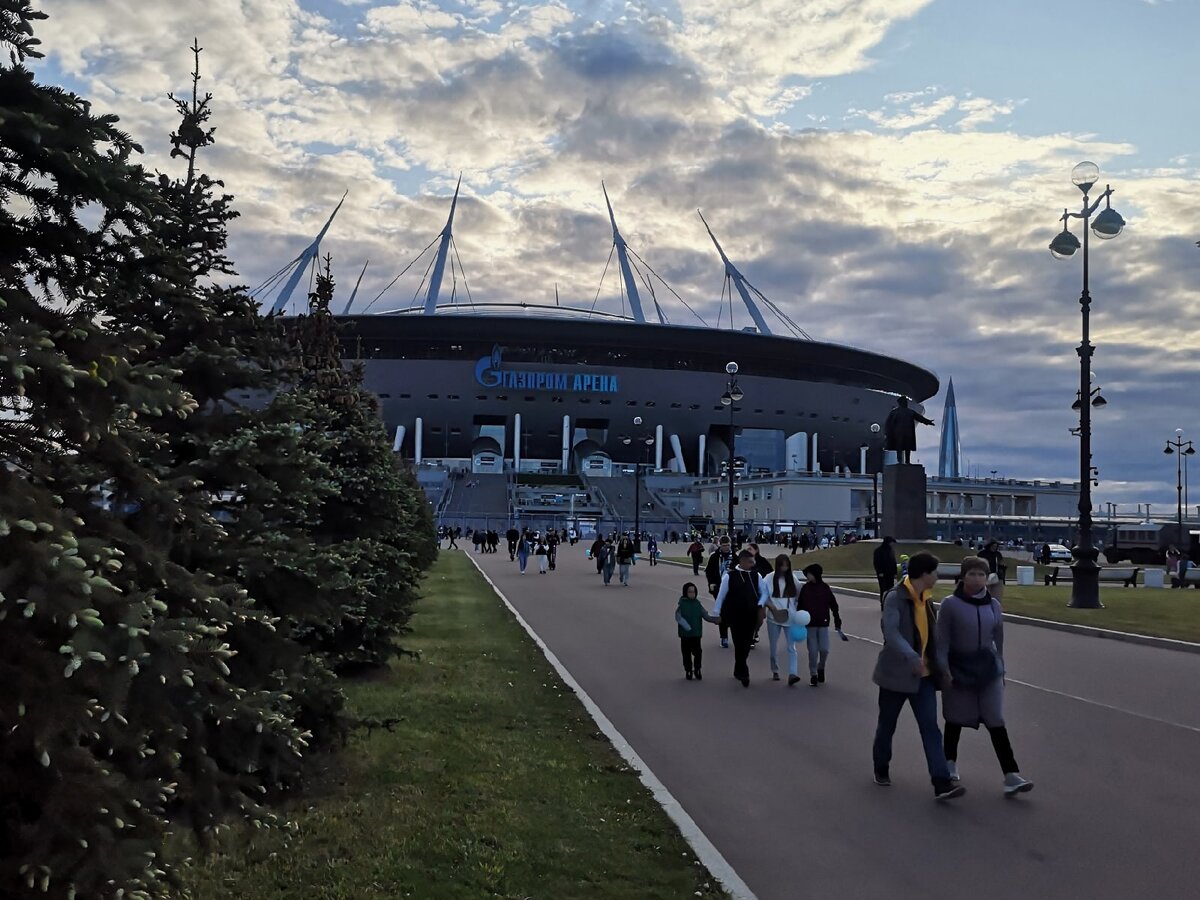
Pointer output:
x,y
780,778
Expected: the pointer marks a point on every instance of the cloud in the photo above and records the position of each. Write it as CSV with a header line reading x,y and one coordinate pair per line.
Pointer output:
x,y
921,229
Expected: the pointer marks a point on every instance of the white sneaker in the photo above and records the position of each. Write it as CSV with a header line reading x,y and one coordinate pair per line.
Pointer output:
x,y
1014,784
953,767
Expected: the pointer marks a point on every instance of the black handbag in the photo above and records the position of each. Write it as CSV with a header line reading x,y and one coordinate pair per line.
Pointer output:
x,y
975,668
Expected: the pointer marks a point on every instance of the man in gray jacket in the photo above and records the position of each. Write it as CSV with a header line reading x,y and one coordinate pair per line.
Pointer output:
x,y
907,672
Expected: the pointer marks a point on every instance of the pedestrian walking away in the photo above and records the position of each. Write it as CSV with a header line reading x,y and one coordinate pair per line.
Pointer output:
x,y
718,564
696,552
512,536
779,608
970,649
625,554
907,672
522,552
741,604
608,561
817,599
884,563
690,616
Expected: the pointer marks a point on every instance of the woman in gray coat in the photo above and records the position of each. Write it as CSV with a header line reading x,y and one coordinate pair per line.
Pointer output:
x,y
970,647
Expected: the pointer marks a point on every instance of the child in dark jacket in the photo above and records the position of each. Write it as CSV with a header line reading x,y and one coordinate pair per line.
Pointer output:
x,y
690,616
816,598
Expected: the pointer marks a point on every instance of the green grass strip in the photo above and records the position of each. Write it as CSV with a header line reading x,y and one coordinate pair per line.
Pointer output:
x,y
495,783
1150,611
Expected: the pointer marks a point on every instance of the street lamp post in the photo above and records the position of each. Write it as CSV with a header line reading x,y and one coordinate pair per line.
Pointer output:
x,y
733,393
1182,450
874,463
647,439
1085,585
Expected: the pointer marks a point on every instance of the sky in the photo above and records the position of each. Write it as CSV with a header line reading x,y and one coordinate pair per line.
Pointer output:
x,y
889,172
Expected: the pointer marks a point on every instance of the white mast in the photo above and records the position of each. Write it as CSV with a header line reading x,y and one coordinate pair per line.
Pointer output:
x,y
635,299
738,281
303,261
439,266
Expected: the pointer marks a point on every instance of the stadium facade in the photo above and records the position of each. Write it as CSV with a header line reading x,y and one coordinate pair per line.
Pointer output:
x,y
539,388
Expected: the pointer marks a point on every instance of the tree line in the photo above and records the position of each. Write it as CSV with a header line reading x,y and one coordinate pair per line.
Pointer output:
x,y
183,577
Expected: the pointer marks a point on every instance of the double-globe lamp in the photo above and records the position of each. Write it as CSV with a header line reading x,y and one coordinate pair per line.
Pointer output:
x,y
1085,585
733,393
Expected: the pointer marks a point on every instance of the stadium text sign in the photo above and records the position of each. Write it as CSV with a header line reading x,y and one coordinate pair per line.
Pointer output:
x,y
490,372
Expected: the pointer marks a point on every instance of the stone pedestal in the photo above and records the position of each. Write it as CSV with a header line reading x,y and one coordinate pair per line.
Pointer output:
x,y
904,502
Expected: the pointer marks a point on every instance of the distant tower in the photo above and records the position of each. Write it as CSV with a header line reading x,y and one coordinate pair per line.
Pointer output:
x,y
950,455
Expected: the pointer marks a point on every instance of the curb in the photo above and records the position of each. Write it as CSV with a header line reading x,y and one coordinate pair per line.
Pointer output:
x,y
720,869
1089,630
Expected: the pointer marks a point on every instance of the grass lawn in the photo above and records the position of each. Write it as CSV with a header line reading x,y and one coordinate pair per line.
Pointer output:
x,y
1161,613
855,559
495,783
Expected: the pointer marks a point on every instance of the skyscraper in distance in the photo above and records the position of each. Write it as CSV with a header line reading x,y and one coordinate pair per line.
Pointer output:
x,y
950,454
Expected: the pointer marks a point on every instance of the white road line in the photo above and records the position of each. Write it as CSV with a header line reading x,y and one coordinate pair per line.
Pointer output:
x,y
1046,690
704,849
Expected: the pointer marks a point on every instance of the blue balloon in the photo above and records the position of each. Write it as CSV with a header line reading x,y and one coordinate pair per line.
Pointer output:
x,y
797,633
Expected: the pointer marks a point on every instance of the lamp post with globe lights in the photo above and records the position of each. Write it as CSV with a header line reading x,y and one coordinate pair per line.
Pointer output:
x,y
646,439
1182,450
874,464
1085,585
733,393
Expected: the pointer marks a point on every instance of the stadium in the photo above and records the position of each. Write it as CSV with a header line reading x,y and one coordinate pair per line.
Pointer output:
x,y
523,394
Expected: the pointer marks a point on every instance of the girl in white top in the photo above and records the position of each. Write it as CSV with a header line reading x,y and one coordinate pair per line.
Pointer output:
x,y
779,606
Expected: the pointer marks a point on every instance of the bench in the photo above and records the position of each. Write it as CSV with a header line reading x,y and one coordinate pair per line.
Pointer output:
x,y
952,570
1126,575
1190,577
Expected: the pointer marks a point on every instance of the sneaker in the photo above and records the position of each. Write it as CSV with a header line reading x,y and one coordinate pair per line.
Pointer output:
x,y
687,675
1014,784
699,677
820,676
792,679
948,791
774,676
953,767
813,681
883,779
725,643
746,681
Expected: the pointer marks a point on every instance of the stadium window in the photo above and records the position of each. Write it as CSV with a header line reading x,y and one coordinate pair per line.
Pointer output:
x,y
585,399
758,410
385,396
779,412
433,396
481,396
502,397
694,406
631,403
452,397
605,402
676,406
530,399
650,403
406,396
456,431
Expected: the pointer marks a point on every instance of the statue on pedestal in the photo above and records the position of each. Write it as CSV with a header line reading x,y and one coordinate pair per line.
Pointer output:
x,y
901,429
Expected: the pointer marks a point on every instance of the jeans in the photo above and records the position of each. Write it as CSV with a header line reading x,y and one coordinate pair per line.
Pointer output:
x,y
522,561
774,629
743,639
692,653
924,707
624,570
607,571
818,649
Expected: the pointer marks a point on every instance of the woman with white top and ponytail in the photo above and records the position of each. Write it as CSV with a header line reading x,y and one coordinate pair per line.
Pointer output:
x,y
779,607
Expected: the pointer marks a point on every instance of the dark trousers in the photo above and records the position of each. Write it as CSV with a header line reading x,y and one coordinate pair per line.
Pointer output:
x,y
886,583
692,653
695,566
1000,743
512,549
925,710
743,639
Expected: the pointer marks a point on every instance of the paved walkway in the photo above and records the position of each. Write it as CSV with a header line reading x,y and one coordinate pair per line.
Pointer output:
x,y
780,778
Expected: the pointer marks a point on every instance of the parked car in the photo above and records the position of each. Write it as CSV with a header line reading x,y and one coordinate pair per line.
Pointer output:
x,y
1060,554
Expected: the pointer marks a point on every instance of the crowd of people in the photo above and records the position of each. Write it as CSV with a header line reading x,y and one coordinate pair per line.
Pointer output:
x,y
957,651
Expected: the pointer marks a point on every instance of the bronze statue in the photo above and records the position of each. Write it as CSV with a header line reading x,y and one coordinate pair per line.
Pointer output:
x,y
901,429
